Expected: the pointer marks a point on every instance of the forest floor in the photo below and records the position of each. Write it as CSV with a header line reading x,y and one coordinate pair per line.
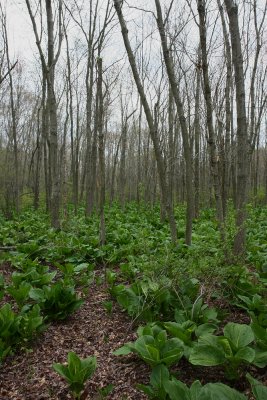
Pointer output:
x,y
91,330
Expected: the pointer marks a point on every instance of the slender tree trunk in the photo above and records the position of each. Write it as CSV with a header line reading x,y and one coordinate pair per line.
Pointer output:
x,y
16,194
150,121
214,156
180,110
242,131
197,136
101,150
228,111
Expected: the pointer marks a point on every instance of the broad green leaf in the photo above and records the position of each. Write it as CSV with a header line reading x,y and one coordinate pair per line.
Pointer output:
x,y
74,363
63,371
89,366
246,354
178,331
258,389
195,390
124,350
240,335
206,355
160,374
260,359
144,345
219,391
161,339
205,329
146,389
36,294
177,390
171,352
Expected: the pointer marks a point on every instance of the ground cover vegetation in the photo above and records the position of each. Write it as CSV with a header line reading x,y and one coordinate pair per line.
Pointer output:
x,y
183,312
133,192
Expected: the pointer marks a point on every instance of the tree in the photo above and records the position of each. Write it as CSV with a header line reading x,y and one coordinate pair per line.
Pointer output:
x,y
48,68
165,190
242,129
180,110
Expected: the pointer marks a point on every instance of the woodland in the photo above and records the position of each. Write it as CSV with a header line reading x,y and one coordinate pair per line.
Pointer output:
x,y
133,200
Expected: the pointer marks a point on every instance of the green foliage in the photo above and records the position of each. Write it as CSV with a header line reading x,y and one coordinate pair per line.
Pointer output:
x,y
111,277
9,324
258,389
154,347
188,332
17,329
232,349
108,306
31,323
57,301
164,387
159,377
20,293
105,391
260,359
76,372
37,277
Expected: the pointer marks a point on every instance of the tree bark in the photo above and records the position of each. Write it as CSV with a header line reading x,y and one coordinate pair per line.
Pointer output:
x,y
242,130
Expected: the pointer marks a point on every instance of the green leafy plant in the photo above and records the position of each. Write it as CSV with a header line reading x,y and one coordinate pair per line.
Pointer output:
x,y
111,277
76,372
154,347
105,391
31,323
156,389
258,389
164,387
9,325
177,390
37,276
20,293
260,359
188,332
232,349
255,306
57,301
196,311
108,306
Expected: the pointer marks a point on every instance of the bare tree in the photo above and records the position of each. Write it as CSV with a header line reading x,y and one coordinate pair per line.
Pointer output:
x,y
165,192
48,67
242,129
214,157
180,110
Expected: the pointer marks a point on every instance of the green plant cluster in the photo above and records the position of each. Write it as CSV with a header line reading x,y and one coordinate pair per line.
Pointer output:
x,y
154,282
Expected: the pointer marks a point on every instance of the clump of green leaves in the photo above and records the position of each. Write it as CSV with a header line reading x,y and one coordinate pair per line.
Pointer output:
x,y
57,301
76,372
154,347
164,387
230,350
17,329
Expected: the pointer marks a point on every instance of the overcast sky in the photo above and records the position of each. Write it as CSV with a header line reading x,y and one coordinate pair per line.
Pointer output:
x,y
21,40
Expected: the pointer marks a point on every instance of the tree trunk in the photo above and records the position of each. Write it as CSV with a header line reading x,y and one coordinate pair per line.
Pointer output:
x,y
152,128
214,156
242,131
180,110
